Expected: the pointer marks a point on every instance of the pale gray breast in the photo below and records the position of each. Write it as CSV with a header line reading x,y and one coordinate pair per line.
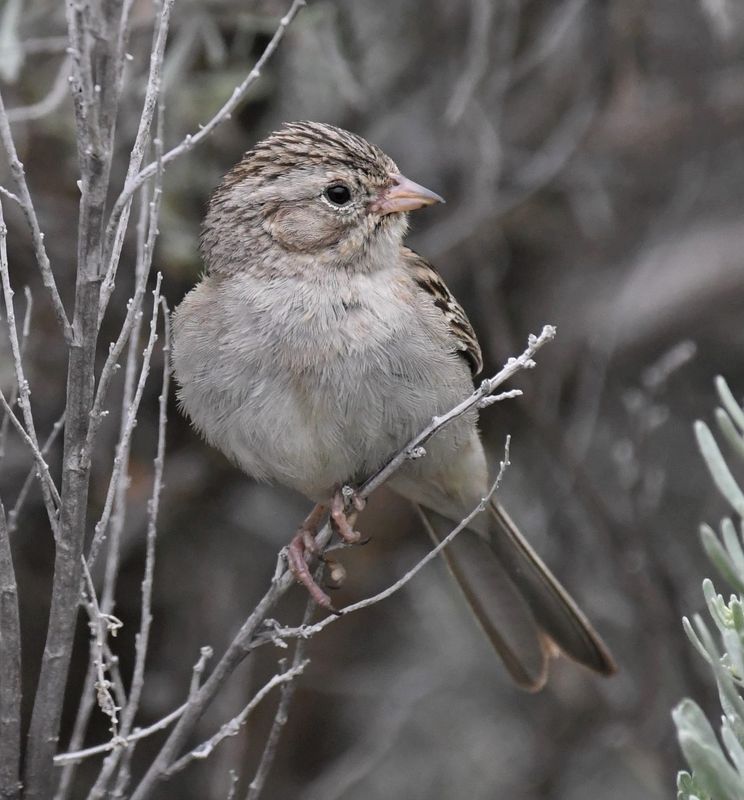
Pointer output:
x,y
313,384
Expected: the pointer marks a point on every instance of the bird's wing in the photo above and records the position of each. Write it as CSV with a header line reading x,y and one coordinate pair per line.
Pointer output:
x,y
430,282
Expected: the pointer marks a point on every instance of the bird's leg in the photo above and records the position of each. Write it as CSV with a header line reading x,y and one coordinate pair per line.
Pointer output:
x,y
301,548
341,524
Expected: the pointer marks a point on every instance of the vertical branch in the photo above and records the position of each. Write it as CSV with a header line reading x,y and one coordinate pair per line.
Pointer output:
x,y
10,671
23,494
152,97
132,325
87,51
280,717
48,489
37,237
14,393
100,625
143,636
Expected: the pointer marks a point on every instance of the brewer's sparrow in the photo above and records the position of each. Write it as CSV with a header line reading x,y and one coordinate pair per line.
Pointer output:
x,y
316,345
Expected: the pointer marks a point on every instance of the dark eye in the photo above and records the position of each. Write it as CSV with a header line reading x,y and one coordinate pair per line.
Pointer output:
x,y
338,193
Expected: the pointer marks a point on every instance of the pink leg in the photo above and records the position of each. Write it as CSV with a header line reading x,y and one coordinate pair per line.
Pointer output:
x,y
300,549
340,523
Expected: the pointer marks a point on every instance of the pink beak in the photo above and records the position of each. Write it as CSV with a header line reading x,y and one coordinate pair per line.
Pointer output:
x,y
403,195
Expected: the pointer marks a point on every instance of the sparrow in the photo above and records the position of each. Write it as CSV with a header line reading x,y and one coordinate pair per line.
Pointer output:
x,y
316,345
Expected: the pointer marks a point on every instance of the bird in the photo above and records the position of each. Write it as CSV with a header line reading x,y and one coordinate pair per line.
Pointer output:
x,y
316,345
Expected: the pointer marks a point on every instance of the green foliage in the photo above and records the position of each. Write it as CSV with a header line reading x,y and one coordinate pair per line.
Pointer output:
x,y
718,764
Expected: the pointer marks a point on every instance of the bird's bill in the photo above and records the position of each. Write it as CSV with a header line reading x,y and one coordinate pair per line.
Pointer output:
x,y
404,195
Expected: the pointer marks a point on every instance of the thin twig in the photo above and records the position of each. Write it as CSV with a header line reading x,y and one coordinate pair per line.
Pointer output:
x,y
48,488
232,728
100,626
23,494
14,392
485,390
150,104
101,527
37,237
280,717
307,631
138,733
143,635
116,222
10,671
118,517
84,711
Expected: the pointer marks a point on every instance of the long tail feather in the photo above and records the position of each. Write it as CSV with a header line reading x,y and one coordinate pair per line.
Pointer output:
x,y
524,611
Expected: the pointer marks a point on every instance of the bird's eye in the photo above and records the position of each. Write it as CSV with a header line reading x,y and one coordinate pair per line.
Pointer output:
x,y
338,193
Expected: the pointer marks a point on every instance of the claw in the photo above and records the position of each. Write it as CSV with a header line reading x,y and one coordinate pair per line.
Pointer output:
x,y
340,523
300,550
297,563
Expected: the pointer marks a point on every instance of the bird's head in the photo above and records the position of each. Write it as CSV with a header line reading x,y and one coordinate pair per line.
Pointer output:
x,y
316,191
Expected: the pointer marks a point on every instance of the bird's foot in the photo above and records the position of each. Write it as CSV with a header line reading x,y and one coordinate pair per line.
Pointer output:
x,y
343,525
301,549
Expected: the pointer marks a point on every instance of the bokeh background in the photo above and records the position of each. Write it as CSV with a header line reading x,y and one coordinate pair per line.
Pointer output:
x,y
592,158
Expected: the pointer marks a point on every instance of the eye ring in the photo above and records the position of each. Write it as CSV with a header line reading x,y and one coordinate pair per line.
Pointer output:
x,y
338,194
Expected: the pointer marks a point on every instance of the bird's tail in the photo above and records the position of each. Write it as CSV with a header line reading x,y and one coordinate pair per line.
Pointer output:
x,y
522,608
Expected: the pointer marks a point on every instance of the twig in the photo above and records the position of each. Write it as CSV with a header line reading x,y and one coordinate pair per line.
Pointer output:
x,y
114,229
151,102
100,626
144,262
119,511
10,671
25,329
27,206
487,388
80,726
307,631
280,717
100,529
243,642
232,728
48,488
138,733
92,50
23,494
143,635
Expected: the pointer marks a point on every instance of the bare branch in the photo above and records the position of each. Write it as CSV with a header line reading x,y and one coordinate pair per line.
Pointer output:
x,y
139,733
14,392
23,494
478,53
307,631
143,635
152,99
48,488
100,530
10,670
282,709
100,625
485,390
92,49
232,728
37,237
117,219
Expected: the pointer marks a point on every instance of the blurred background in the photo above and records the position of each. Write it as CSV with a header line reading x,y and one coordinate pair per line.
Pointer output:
x,y
592,158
